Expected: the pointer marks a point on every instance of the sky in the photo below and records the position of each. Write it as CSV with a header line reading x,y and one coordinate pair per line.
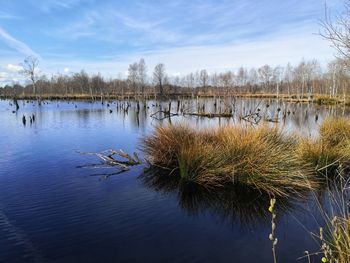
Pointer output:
x,y
105,36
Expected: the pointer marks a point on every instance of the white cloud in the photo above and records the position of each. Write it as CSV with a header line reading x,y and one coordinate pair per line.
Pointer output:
x,y
14,68
3,75
10,74
275,50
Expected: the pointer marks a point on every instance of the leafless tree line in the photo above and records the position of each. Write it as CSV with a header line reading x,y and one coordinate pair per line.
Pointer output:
x,y
302,80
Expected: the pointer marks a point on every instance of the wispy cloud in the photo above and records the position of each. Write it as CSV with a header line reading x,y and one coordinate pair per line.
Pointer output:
x,y
15,44
52,5
4,15
181,23
274,50
113,26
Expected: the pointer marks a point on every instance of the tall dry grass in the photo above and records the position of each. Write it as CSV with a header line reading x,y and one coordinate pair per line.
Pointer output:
x,y
260,157
332,149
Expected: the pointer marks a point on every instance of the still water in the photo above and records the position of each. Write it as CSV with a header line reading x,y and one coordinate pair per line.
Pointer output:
x,y
53,211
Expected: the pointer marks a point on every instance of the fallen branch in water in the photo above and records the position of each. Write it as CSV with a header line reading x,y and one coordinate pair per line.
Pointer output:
x,y
276,120
109,160
253,118
211,115
166,114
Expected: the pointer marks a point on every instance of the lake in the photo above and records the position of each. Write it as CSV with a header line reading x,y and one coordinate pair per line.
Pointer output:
x,y
52,210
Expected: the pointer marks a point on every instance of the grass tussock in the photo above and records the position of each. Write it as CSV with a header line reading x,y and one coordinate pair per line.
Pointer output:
x,y
261,157
335,131
331,149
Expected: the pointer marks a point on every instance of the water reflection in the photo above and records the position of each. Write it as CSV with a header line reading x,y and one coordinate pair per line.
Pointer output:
x,y
303,118
234,205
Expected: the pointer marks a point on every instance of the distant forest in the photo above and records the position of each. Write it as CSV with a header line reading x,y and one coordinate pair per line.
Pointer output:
x,y
303,80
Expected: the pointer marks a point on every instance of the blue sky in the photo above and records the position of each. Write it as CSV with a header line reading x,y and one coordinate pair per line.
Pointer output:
x,y
106,36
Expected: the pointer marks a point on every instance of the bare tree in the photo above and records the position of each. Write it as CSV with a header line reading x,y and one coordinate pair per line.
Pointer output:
x,y
276,78
97,84
84,82
30,68
300,76
190,81
242,76
288,77
265,74
203,78
253,79
226,81
133,76
314,71
214,80
337,31
159,77
142,75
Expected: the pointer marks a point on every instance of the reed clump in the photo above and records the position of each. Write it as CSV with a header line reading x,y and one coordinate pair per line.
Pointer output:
x,y
331,149
260,157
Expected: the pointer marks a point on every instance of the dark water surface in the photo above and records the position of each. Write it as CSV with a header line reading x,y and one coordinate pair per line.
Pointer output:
x,y
52,211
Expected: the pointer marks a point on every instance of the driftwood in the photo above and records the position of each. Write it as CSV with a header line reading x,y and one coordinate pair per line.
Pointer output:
x,y
109,160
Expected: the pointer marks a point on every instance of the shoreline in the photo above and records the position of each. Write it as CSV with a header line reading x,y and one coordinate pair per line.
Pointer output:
x,y
316,99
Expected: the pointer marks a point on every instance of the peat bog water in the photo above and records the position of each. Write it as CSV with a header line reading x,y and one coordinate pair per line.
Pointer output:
x,y
53,211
